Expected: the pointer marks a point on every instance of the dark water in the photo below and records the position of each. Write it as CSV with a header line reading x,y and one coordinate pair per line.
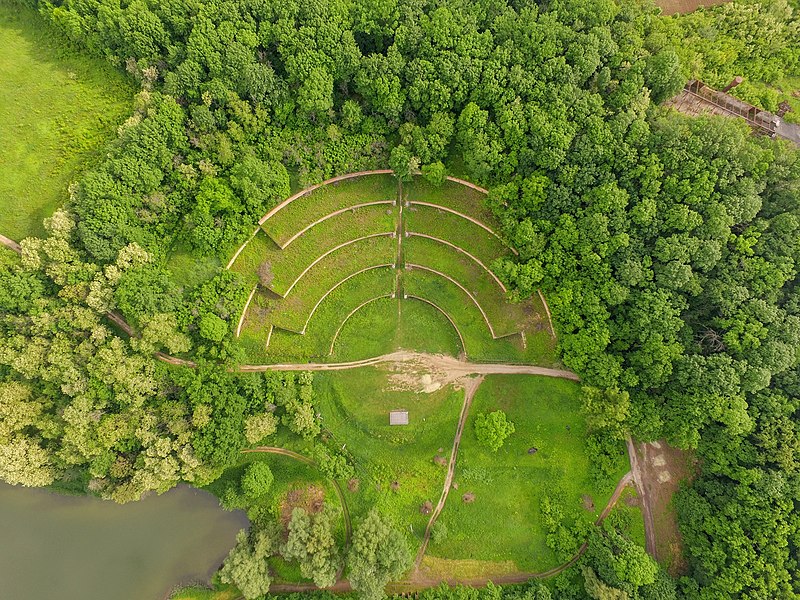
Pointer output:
x,y
56,547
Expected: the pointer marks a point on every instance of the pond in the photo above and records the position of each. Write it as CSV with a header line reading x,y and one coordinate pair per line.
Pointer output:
x,y
80,548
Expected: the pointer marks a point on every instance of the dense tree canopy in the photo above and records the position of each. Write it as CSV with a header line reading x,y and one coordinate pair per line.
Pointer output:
x,y
667,246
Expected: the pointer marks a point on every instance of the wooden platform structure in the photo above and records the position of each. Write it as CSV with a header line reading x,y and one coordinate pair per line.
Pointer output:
x,y
697,98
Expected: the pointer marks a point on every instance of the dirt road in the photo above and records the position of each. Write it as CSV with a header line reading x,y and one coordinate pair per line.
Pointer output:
x,y
433,362
470,387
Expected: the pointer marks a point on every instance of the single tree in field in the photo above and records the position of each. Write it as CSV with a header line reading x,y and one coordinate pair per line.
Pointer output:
x,y
379,553
257,480
492,429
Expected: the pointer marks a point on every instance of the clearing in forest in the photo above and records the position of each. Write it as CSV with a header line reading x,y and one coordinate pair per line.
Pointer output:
x,y
351,269
365,267
58,109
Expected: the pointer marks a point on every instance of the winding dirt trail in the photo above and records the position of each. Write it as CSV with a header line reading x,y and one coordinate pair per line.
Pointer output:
x,y
10,244
470,387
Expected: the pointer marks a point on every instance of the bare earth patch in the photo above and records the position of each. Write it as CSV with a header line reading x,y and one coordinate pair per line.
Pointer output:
x,y
670,7
311,498
588,503
663,469
422,377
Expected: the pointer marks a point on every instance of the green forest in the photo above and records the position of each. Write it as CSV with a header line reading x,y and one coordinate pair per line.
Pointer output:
x,y
667,246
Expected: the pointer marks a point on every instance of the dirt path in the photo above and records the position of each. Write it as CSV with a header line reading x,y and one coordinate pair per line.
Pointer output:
x,y
450,367
417,582
641,489
10,244
348,523
470,387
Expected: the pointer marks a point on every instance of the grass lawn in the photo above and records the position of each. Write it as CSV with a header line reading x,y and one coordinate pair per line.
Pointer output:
x,y
58,109
456,230
452,195
327,199
503,523
355,409
387,325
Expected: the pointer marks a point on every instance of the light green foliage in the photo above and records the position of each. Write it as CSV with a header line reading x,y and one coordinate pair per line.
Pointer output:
x,y
311,543
260,426
377,555
23,461
212,327
492,429
246,565
332,464
598,590
257,480
605,411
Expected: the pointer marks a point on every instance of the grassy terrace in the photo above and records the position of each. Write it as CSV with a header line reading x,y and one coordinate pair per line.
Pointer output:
x,y
505,520
452,300
330,198
452,195
315,344
293,312
390,324
288,264
58,109
456,230
504,316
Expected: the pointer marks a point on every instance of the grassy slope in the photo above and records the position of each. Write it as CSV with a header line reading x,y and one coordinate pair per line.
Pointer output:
x,y
58,109
504,520
355,406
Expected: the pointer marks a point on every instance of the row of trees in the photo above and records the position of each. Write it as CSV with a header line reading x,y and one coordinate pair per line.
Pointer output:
x,y
378,553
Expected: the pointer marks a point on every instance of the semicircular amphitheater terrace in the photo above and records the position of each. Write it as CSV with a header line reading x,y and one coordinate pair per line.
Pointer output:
x,y
388,290
354,267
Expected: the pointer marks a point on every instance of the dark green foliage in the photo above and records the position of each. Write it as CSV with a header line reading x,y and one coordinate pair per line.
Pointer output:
x,y
257,480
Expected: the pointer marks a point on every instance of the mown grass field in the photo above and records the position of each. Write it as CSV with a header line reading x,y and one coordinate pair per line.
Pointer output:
x,y
58,109
504,521
328,199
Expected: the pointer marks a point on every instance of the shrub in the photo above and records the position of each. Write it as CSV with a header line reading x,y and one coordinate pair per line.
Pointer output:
x,y
492,429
